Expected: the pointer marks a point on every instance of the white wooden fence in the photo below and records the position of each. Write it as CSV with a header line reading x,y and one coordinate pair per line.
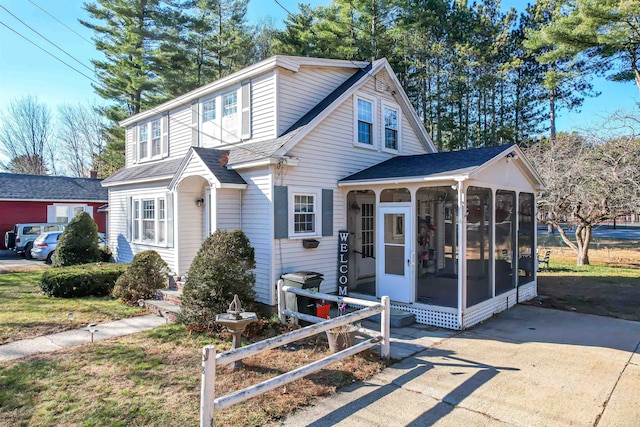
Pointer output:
x,y
210,360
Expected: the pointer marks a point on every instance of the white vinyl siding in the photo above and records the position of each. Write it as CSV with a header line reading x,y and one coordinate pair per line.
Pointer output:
x,y
180,131
299,92
229,208
257,224
123,251
322,169
263,108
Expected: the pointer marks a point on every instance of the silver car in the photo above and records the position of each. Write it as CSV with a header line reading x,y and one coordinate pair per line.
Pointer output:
x,y
45,245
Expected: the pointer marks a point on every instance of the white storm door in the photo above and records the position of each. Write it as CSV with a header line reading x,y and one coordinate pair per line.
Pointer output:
x,y
394,253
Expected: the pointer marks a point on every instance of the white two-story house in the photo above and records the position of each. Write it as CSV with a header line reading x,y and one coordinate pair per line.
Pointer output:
x,y
300,153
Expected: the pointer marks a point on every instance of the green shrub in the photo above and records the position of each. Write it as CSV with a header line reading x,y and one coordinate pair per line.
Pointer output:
x,y
146,273
81,280
78,243
105,254
218,272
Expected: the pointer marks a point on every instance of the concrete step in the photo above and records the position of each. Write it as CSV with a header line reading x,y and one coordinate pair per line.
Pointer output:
x,y
163,308
397,318
169,295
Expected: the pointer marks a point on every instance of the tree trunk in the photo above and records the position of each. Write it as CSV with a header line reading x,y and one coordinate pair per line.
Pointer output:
x,y
583,238
552,117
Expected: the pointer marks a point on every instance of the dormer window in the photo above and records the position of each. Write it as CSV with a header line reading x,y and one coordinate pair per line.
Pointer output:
x,y
155,138
143,141
209,110
150,140
229,104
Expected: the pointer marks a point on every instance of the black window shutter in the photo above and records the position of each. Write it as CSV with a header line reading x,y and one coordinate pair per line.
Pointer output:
x,y
280,212
327,212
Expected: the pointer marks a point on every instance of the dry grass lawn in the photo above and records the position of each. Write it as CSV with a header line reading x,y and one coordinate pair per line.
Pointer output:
x,y
609,286
153,379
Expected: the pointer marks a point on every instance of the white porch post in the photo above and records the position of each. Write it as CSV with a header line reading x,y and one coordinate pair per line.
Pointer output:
x,y
462,252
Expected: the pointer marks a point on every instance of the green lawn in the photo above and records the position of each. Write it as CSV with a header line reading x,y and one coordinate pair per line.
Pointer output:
x,y
610,286
26,313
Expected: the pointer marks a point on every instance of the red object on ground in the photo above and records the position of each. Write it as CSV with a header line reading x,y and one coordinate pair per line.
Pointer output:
x,y
322,309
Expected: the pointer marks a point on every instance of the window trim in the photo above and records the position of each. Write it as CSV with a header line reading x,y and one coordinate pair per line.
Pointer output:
x,y
137,221
148,126
317,211
356,120
389,106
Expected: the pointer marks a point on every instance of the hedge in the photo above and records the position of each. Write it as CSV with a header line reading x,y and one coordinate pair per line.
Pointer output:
x,y
81,280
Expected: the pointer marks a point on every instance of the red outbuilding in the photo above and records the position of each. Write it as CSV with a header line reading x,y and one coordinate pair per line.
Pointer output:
x,y
40,198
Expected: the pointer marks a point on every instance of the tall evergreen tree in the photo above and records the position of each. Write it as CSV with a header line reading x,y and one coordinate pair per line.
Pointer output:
x,y
606,31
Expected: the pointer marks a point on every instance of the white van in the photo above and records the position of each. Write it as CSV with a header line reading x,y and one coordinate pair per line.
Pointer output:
x,y
21,238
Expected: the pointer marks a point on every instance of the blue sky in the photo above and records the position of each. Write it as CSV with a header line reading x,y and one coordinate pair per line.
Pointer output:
x,y
27,70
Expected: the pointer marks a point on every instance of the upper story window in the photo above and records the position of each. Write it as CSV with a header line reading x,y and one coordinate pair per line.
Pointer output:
x,y
229,104
150,140
391,128
365,122
155,138
143,141
209,110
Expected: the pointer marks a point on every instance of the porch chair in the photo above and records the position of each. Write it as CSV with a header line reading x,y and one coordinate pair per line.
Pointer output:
x,y
543,264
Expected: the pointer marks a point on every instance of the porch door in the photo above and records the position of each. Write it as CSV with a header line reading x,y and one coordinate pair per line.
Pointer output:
x,y
394,253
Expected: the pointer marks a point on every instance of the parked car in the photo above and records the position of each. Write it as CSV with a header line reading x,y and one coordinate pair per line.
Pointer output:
x,y
45,245
21,238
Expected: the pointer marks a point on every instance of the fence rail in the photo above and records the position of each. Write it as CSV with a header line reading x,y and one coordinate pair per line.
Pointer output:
x,y
210,360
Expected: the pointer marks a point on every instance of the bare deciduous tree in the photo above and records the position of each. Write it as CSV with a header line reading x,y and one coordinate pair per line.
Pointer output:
x,y
589,179
82,137
26,134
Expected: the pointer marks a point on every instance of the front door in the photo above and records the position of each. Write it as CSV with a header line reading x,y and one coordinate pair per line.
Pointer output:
x,y
394,253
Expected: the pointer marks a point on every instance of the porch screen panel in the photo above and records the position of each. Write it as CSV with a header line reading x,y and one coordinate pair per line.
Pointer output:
x,y
479,226
394,229
526,251
505,241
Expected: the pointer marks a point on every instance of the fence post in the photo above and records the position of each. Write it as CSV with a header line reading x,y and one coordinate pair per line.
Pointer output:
x,y
385,328
281,302
207,388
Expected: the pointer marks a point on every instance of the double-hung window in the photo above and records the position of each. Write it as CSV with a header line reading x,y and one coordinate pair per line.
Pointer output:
x,y
143,141
365,122
209,110
229,104
148,220
155,138
390,128
304,213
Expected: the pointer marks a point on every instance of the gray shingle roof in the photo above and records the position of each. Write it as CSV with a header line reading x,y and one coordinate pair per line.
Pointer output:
x,y
263,150
42,187
213,159
429,165
145,171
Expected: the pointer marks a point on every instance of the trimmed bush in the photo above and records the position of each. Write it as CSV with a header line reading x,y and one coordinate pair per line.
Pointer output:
x,y
146,273
81,280
220,270
78,243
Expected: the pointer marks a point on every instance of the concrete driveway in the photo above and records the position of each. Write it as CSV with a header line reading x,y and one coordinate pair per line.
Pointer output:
x,y
528,366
